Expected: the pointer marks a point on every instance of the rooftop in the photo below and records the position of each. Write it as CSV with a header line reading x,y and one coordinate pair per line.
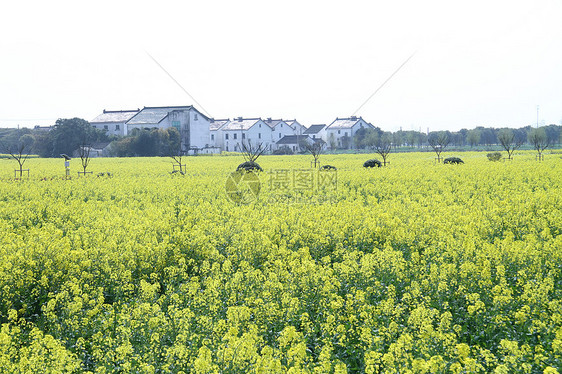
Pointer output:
x,y
154,115
292,139
345,123
217,123
314,129
115,116
240,123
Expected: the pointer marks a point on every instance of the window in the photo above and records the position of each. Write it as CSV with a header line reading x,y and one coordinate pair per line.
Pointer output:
x,y
345,133
105,127
195,117
116,127
259,135
176,124
339,132
279,135
260,125
243,136
313,136
212,136
235,136
226,136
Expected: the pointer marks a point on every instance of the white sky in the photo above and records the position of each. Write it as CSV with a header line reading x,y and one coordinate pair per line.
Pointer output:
x,y
486,63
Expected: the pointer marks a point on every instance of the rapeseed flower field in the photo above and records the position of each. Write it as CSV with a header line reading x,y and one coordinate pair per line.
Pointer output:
x,y
415,267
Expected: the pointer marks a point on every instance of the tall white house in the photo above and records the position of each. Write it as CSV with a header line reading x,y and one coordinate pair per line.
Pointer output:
x,y
279,129
340,132
253,130
298,128
217,139
193,126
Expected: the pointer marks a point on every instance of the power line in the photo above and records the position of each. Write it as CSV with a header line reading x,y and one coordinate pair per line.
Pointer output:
x,y
382,85
180,86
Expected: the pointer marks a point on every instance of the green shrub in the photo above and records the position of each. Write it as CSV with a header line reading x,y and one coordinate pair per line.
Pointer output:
x,y
249,166
373,163
453,160
494,156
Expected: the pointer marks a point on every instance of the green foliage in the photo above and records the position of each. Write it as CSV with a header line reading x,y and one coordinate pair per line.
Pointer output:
x,y
453,160
249,166
494,156
66,136
373,163
149,142
283,151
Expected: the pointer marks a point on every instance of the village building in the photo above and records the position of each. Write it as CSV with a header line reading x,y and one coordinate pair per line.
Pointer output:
x,y
113,122
249,130
340,133
193,126
316,132
280,129
215,126
298,129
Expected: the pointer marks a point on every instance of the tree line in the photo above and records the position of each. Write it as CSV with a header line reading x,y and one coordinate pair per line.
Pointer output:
x,y
478,137
68,135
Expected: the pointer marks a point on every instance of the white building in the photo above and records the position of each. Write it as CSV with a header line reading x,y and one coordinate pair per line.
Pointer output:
x,y
340,133
193,126
280,129
296,143
298,129
316,132
217,138
253,130
114,121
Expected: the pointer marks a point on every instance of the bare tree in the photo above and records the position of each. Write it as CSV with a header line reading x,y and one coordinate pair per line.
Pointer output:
x,y
315,149
509,142
539,140
252,152
383,146
438,142
84,151
20,153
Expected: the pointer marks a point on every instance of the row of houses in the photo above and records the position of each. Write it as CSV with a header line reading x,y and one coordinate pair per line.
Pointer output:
x,y
199,133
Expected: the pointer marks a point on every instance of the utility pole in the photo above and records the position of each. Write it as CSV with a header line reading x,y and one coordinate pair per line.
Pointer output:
x,y
537,116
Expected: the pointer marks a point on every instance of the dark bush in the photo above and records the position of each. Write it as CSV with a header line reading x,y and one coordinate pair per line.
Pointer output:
x,y
283,151
328,167
373,163
249,166
453,160
494,156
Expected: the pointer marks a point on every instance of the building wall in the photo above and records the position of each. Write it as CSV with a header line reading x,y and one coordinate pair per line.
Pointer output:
x,y
260,132
279,132
340,133
111,128
199,130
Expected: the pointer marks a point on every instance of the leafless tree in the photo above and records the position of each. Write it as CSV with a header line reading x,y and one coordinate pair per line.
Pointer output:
x,y
438,142
176,154
383,146
20,153
539,140
315,149
509,142
252,152
85,150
